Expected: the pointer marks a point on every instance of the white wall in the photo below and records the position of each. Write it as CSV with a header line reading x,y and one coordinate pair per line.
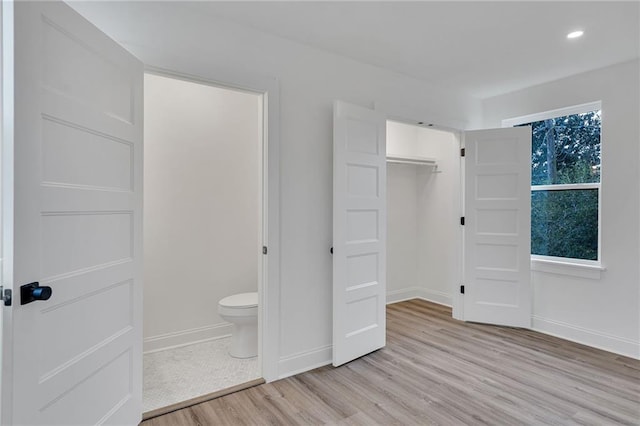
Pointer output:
x,y
439,196
423,241
402,214
201,206
402,235
600,312
310,80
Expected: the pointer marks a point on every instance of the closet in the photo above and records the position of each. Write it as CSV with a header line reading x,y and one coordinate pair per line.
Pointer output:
x,y
424,205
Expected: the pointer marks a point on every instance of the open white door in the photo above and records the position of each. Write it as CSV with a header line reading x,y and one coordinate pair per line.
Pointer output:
x,y
497,277
359,231
72,198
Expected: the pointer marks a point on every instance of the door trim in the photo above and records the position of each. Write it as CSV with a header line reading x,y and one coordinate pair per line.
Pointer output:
x,y
457,300
6,215
269,284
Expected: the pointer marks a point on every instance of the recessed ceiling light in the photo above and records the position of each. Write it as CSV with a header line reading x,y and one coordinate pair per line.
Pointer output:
x,y
575,34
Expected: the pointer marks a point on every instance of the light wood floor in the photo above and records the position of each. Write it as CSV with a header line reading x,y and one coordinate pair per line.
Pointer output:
x,y
436,370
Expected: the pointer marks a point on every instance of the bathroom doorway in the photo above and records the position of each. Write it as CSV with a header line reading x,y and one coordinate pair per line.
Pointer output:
x,y
203,236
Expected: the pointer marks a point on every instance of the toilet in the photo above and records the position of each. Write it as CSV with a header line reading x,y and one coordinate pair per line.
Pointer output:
x,y
242,311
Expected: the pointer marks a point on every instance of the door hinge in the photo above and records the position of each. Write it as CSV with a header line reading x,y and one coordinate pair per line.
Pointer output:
x,y
462,220
461,289
264,249
462,152
6,295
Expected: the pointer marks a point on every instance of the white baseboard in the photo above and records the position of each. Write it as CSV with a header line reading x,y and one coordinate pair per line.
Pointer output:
x,y
186,337
304,361
587,337
419,293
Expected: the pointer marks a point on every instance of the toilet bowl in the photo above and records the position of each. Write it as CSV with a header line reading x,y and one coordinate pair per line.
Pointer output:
x,y
241,310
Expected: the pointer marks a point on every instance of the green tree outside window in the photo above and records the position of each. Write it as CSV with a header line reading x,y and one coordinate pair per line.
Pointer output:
x,y
565,151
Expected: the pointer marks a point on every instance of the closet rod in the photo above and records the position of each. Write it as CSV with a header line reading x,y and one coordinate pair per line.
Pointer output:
x,y
420,161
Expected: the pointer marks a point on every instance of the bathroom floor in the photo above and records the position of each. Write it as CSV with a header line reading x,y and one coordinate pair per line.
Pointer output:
x,y
180,374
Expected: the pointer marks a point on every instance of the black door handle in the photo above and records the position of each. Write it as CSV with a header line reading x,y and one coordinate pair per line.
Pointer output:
x,y
6,296
32,292
331,250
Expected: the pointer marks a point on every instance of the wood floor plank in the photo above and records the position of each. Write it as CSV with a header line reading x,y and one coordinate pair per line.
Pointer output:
x,y
439,371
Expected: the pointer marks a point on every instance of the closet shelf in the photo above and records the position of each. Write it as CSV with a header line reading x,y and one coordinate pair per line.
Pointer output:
x,y
420,161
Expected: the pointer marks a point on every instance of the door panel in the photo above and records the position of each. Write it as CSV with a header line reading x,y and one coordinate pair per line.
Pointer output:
x,y
497,231
359,232
77,204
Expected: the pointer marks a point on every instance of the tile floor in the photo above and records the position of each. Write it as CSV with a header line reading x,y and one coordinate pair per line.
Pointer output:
x,y
179,374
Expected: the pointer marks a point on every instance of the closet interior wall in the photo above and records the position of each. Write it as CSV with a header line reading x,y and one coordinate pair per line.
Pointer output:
x,y
423,246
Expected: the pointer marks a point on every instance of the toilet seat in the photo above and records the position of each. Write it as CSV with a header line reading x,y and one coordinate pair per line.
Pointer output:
x,y
239,305
240,301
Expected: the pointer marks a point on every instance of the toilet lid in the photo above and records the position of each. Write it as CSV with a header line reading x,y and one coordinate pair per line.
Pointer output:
x,y
242,300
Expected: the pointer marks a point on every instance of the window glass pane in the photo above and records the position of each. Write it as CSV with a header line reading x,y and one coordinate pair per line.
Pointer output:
x,y
566,149
565,223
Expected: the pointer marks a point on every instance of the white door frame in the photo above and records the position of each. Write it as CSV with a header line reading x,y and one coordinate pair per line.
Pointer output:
x,y
457,301
6,208
269,282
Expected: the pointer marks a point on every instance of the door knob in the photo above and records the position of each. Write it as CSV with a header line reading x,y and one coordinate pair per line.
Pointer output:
x,y
6,296
32,292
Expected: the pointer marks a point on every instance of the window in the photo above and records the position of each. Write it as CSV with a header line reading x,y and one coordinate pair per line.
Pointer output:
x,y
565,181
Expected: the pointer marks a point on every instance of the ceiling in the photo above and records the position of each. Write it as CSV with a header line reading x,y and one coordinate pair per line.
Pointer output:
x,y
480,48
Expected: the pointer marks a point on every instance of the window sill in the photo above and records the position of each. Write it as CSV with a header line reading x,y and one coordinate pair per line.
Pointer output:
x,y
591,271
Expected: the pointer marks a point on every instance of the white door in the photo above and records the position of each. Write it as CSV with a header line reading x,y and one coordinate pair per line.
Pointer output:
x,y
497,277
359,231
74,206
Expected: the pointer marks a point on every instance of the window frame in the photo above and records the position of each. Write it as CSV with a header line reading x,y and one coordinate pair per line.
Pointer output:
x,y
565,265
